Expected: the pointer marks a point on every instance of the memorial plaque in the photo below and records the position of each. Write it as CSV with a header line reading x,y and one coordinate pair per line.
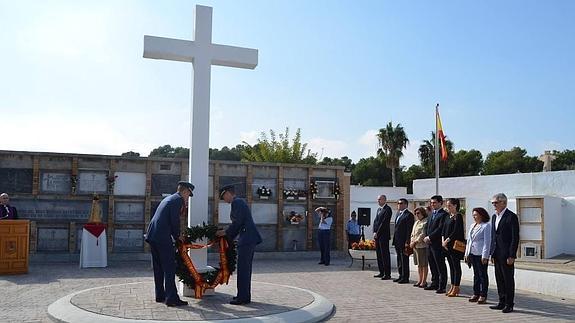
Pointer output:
x,y
294,238
164,184
16,180
92,182
51,210
53,182
129,240
265,213
239,184
295,172
265,171
224,212
324,172
132,184
52,239
129,212
269,183
325,189
295,184
269,238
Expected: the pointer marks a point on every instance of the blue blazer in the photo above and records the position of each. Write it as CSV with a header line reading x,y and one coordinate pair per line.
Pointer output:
x,y
242,224
165,225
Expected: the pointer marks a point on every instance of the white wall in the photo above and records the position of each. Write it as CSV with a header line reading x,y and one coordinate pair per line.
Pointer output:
x,y
553,226
366,196
568,208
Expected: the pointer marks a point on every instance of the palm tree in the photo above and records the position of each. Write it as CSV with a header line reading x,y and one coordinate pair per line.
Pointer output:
x,y
392,141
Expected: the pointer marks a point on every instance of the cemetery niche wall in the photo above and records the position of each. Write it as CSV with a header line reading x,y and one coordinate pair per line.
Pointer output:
x,y
54,191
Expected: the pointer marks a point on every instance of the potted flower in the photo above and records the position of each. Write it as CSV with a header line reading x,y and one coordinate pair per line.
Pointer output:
x,y
289,194
294,218
336,191
264,193
313,189
301,194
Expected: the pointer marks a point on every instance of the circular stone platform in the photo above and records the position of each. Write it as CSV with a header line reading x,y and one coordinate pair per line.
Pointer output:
x,y
134,302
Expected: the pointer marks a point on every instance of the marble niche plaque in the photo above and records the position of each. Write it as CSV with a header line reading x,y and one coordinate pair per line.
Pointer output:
x,y
51,210
53,182
92,182
164,184
16,180
129,212
52,239
265,213
128,183
128,240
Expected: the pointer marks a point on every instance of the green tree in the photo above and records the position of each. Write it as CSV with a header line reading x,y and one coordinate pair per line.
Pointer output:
x,y
226,153
427,156
278,149
130,154
343,161
465,163
392,142
565,160
412,173
371,171
170,152
511,161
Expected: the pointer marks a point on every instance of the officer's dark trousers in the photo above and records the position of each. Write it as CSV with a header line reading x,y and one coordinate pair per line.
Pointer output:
x,y
245,259
164,262
324,241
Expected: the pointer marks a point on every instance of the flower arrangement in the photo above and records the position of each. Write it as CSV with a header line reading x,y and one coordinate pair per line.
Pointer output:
x,y
264,193
290,194
336,191
294,218
364,245
302,194
111,181
74,183
313,189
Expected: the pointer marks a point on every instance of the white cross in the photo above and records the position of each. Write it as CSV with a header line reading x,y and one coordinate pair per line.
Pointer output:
x,y
202,53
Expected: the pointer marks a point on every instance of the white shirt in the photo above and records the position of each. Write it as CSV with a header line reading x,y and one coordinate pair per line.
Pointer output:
x,y
498,218
327,224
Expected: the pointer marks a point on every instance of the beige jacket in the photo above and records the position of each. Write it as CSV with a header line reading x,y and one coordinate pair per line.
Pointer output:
x,y
418,233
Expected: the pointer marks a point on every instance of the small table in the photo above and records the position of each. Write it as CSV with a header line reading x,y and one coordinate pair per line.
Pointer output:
x,y
363,255
94,249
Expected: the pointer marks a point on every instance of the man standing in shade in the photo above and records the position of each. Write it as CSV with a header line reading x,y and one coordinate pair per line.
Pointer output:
x,y
401,237
433,239
163,231
244,226
7,211
324,234
504,243
381,237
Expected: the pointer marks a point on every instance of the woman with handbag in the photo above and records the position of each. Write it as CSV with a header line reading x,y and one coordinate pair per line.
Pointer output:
x,y
419,246
453,242
477,253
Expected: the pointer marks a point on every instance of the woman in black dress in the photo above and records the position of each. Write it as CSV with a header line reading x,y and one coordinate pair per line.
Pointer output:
x,y
453,230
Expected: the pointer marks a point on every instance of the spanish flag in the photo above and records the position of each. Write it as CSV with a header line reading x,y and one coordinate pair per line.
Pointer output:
x,y
441,135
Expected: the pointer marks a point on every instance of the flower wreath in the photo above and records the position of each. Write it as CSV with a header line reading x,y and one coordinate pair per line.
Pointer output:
x,y
185,269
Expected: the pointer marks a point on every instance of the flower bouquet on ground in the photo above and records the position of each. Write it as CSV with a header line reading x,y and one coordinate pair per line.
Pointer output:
x,y
363,245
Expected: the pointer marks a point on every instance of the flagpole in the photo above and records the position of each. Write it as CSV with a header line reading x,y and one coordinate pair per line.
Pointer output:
x,y
436,151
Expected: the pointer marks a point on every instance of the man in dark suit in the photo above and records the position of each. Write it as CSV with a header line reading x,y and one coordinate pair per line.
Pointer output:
x,y
436,256
163,231
244,226
505,233
401,237
381,237
7,211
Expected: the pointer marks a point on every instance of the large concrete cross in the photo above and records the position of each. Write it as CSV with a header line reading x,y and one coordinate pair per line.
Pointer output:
x,y
202,53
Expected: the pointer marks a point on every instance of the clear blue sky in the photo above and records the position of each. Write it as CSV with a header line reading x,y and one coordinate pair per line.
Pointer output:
x,y
72,76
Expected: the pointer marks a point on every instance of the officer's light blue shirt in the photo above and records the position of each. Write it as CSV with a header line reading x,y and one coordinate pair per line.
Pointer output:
x,y
326,225
352,227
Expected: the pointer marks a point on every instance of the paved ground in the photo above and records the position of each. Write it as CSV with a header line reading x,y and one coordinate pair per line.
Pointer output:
x,y
356,294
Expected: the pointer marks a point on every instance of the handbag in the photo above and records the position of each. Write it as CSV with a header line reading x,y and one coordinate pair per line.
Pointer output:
x,y
408,251
459,245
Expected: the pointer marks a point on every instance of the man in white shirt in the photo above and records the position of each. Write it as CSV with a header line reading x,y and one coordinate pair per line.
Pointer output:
x,y
323,234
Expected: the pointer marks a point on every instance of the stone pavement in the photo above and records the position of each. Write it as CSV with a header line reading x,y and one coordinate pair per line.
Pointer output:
x,y
356,294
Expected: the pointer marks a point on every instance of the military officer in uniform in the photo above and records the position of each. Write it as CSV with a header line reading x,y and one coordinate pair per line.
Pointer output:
x,y
163,231
244,227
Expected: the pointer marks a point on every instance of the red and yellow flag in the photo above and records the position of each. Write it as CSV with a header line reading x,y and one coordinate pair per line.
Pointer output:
x,y
441,135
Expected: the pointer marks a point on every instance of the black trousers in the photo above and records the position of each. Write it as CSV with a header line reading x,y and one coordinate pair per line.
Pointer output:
x,y
505,277
454,268
164,263
244,283
402,264
437,260
323,238
480,276
351,238
383,256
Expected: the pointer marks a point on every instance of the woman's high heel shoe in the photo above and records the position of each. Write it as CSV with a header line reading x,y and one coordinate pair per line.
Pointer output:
x,y
454,292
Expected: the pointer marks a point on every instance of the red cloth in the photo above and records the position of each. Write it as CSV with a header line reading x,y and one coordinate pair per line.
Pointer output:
x,y
95,229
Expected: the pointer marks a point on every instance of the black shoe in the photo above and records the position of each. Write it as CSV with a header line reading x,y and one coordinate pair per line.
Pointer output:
x,y
497,307
430,287
423,286
160,300
386,278
396,280
440,291
177,303
238,302
403,281
416,285
326,264
507,309
321,263
378,276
